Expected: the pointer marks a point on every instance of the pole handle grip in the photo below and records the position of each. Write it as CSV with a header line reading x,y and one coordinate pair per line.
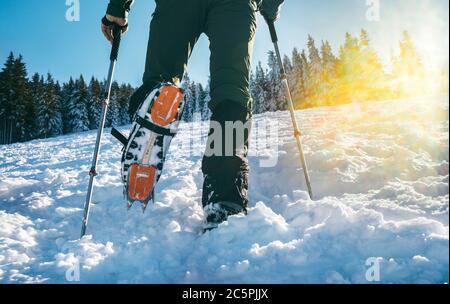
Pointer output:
x,y
117,33
272,30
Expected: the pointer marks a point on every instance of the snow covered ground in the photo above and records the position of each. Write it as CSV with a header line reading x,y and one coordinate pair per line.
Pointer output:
x,y
380,173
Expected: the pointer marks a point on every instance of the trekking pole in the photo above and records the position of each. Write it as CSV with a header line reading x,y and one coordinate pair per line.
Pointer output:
x,y
297,133
117,32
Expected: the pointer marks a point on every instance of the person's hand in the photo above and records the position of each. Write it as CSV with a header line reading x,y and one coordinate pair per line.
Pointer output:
x,y
107,23
270,9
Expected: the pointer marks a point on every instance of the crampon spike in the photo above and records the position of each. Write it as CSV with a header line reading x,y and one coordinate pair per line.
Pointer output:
x,y
144,205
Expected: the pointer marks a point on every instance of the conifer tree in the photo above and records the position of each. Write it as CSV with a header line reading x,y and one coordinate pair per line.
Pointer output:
x,y
94,105
275,96
206,112
18,98
371,71
65,97
297,77
328,74
48,117
123,99
188,97
287,64
260,91
408,61
198,101
78,113
113,118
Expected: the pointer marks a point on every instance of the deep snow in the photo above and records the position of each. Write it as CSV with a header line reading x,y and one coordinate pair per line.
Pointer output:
x,y
380,173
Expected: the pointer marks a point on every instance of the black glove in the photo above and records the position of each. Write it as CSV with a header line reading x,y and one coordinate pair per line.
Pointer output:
x,y
119,8
108,23
270,9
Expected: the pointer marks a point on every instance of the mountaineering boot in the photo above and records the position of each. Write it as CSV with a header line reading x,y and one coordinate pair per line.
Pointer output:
x,y
219,202
155,125
226,174
217,213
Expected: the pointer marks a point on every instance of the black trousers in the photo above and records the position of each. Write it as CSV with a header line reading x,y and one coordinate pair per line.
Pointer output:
x,y
230,26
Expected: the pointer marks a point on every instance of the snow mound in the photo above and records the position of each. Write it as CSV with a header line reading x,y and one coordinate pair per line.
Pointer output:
x,y
380,179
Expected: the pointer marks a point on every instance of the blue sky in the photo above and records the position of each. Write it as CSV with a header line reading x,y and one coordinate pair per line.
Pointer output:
x,y
39,31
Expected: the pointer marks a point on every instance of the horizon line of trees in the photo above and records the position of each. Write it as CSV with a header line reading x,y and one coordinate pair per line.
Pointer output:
x,y
41,107
319,77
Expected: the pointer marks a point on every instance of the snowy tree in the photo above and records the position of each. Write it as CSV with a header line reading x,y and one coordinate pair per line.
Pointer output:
x,y
326,93
408,70
260,90
6,89
54,112
349,55
287,64
48,117
349,70
253,91
297,76
408,62
372,83
275,100
206,112
15,109
306,76
123,100
314,80
198,100
328,60
78,112
113,116
188,97
65,97
94,103
314,57
22,99
37,88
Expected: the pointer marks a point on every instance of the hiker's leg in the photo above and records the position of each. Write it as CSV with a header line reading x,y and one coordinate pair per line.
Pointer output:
x,y
175,28
230,26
